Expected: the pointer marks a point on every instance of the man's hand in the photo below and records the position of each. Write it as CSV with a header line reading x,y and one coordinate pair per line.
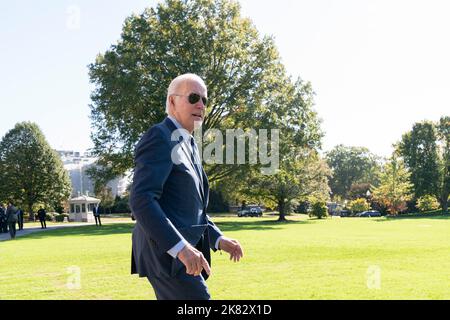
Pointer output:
x,y
193,260
233,247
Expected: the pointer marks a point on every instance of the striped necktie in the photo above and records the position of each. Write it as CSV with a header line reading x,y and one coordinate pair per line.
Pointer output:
x,y
196,160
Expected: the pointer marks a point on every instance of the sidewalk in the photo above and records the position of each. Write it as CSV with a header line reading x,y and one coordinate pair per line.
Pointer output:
x,y
25,231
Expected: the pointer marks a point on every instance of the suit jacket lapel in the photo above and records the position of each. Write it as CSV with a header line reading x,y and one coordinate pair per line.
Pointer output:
x,y
192,170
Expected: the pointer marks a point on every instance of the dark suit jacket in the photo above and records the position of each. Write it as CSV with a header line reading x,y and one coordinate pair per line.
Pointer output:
x,y
169,204
41,214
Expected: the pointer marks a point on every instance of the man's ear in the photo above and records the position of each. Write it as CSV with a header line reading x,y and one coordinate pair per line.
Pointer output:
x,y
171,102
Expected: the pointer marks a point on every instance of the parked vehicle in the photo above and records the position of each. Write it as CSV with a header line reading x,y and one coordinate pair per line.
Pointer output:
x,y
255,211
369,214
344,213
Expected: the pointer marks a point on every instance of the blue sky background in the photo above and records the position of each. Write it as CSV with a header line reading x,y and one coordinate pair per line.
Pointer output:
x,y
376,66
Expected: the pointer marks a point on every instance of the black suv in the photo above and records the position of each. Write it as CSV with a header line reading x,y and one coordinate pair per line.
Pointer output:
x,y
250,212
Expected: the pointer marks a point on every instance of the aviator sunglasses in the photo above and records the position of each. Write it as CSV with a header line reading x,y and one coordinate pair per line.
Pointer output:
x,y
193,98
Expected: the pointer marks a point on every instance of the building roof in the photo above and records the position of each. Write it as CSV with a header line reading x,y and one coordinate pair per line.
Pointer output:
x,y
84,199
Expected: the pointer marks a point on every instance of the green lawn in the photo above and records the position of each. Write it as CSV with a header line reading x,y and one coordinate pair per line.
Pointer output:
x,y
347,258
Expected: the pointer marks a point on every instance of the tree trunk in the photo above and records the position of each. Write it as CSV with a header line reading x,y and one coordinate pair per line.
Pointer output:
x,y
444,205
30,210
282,208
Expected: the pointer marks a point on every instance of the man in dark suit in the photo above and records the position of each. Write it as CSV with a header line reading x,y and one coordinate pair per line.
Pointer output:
x,y
41,215
11,219
3,223
96,213
20,218
173,234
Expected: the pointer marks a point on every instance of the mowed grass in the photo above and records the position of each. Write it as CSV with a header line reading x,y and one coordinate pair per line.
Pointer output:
x,y
347,258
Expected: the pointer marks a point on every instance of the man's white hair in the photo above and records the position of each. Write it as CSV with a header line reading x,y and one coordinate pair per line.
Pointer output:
x,y
175,84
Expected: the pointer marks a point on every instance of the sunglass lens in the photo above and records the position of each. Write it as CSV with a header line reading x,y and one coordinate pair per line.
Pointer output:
x,y
193,98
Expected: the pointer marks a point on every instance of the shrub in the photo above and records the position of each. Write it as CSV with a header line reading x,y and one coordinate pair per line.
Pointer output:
x,y
319,210
49,217
359,205
427,203
303,207
60,217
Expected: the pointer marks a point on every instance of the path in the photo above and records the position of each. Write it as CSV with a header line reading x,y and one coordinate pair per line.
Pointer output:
x,y
25,231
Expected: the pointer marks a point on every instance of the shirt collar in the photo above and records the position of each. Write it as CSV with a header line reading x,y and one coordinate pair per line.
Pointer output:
x,y
184,133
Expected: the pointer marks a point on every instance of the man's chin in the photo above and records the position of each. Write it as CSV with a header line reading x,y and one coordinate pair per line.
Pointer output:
x,y
198,123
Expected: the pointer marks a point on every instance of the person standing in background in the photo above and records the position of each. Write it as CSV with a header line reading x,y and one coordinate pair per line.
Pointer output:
x,y
3,223
20,218
96,213
11,219
41,214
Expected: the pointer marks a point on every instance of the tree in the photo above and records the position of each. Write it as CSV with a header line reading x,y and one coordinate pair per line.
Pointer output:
x,y
351,166
301,176
395,186
106,198
443,133
247,85
420,153
359,190
30,171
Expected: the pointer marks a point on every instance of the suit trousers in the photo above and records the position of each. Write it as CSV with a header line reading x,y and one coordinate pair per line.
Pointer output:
x,y
12,229
181,287
20,222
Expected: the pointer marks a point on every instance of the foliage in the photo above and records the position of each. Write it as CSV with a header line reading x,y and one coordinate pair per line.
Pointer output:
x,y
121,205
217,202
247,85
352,166
359,190
395,186
419,151
443,133
319,210
300,176
30,171
426,150
60,217
303,207
427,203
106,199
359,205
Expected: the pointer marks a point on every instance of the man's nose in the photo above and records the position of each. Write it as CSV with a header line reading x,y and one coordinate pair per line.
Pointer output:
x,y
200,105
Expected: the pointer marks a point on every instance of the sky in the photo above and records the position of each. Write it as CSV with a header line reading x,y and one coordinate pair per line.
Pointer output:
x,y
376,66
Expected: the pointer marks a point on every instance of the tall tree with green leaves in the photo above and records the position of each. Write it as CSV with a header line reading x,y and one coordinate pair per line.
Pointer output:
x,y
106,198
419,150
352,166
30,171
247,84
395,188
443,133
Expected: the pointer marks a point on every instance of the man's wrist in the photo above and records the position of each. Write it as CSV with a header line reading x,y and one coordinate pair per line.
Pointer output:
x,y
217,245
175,250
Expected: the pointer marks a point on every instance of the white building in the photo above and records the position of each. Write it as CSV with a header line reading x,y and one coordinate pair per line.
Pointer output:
x,y
76,164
